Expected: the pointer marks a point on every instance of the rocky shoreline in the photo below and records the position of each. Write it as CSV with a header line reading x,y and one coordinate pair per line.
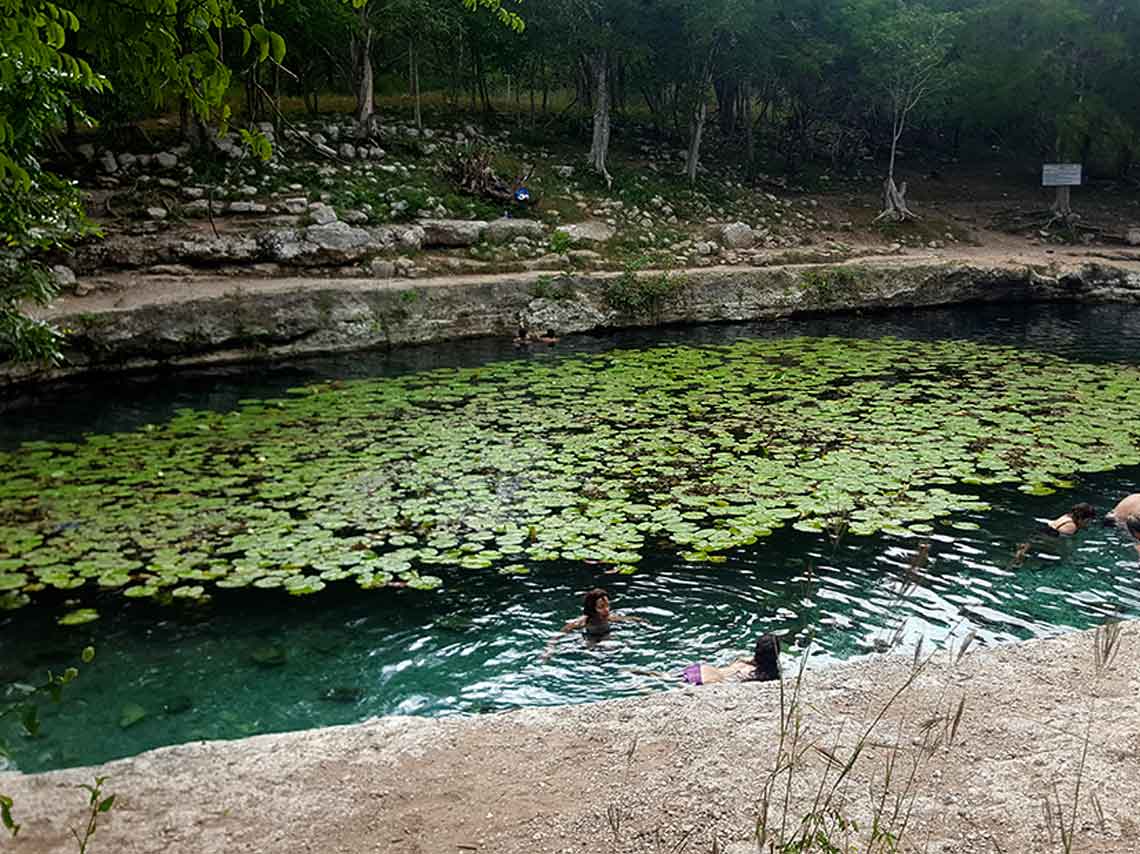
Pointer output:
x,y
680,768
140,322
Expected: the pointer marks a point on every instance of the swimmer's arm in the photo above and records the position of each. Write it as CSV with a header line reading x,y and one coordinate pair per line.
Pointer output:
x,y
629,618
553,642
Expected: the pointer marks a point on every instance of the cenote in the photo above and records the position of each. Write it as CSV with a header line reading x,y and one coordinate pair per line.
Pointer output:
x,y
263,549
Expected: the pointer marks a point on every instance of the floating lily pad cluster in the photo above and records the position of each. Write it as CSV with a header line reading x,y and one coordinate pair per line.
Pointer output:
x,y
594,458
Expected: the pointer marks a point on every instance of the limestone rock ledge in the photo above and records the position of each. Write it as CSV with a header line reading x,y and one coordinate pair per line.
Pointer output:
x,y
152,322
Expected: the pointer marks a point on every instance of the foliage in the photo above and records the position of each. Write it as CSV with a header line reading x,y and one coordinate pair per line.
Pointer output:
x,y
38,84
97,804
560,242
636,295
26,710
708,448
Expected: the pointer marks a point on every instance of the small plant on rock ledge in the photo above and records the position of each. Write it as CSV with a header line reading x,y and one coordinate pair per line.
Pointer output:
x,y
633,295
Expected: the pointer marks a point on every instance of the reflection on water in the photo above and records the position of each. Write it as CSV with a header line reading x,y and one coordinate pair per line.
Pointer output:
x,y
259,662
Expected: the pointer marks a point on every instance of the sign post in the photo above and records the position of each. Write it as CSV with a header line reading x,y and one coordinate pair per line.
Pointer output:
x,y
1062,176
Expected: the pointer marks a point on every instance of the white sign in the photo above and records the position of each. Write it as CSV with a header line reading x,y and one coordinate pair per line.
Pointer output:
x,y
1061,175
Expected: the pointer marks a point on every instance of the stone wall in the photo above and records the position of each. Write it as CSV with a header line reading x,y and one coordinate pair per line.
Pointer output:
x,y
266,318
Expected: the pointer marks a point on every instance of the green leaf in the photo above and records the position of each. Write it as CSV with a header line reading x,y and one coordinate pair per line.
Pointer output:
x,y
78,617
277,47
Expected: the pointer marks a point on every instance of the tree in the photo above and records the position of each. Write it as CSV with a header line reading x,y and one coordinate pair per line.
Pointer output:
x,y
38,85
908,50
373,17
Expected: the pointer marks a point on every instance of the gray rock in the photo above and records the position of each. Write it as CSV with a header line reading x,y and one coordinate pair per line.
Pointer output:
x,y
564,171
246,207
452,232
704,247
127,161
347,150
322,214
338,241
354,217
168,183
166,159
1132,237
503,230
86,151
156,213
412,237
283,245
194,192
64,276
214,250
296,205
382,268
590,231
108,163
737,235
376,153
560,317
198,206
584,256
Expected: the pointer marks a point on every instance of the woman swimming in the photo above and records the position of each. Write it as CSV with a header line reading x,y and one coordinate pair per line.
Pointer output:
x,y
1065,526
764,666
595,620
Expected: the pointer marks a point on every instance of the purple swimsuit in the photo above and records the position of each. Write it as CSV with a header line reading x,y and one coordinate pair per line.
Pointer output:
x,y
692,674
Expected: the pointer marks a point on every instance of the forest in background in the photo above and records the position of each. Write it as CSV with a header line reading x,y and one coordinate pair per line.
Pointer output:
x,y
783,84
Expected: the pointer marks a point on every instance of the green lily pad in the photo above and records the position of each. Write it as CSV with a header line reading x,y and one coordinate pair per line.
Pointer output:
x,y
78,617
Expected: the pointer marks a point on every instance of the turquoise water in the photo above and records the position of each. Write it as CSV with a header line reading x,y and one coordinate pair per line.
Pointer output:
x,y
251,662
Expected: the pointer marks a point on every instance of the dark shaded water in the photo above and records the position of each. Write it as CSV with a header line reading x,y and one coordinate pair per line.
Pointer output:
x,y
259,661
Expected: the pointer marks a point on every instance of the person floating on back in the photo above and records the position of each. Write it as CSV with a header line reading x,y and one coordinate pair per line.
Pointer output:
x,y
595,620
1065,526
1126,515
764,666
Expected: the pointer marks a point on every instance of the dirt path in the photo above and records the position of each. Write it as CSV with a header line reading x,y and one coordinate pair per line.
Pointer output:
x,y
646,774
125,291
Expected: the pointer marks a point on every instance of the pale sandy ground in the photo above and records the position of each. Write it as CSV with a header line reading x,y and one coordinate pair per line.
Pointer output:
x,y
670,772
130,290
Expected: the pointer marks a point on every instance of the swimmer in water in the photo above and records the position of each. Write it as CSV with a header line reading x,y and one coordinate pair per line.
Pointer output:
x,y
1126,514
595,620
1065,526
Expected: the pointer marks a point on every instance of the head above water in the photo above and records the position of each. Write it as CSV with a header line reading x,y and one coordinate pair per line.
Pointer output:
x,y
596,604
766,658
1082,513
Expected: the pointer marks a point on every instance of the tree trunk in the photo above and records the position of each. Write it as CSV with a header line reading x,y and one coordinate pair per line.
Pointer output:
x,y
600,144
362,66
414,80
699,114
545,87
749,131
894,197
696,132
481,79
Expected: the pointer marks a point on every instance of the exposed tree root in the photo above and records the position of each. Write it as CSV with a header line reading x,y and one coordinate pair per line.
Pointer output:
x,y
894,203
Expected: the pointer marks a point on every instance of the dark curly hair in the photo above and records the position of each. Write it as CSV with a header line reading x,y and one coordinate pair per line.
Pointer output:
x,y
766,658
590,601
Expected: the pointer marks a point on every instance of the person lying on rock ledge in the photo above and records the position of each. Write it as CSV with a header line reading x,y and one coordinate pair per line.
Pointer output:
x,y
595,620
764,666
